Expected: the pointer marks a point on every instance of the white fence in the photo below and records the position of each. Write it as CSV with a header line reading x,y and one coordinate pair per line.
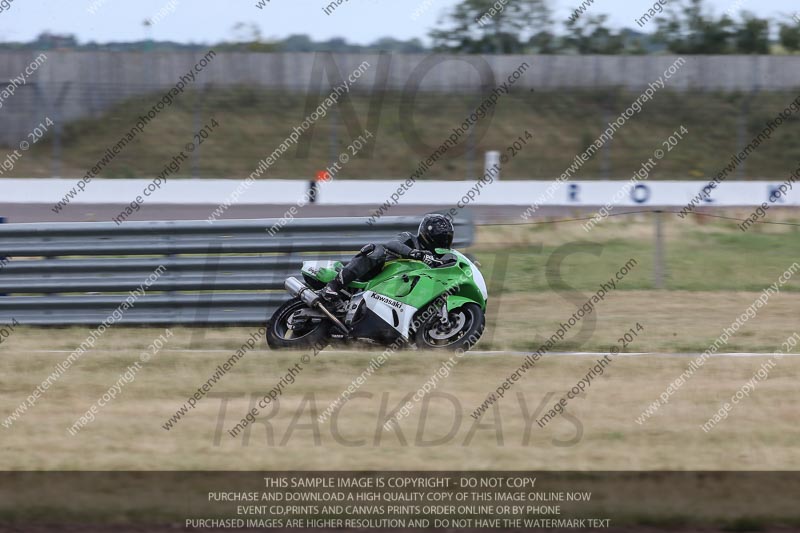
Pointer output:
x,y
376,192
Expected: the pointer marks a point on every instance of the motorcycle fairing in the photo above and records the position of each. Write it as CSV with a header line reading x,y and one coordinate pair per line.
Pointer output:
x,y
323,271
403,287
395,313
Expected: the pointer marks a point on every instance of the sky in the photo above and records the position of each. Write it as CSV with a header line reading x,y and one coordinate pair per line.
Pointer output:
x,y
211,21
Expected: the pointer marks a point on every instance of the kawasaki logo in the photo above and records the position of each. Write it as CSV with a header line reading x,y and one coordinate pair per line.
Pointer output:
x,y
386,300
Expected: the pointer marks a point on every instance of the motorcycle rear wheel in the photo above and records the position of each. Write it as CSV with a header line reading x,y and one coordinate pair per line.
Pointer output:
x,y
312,332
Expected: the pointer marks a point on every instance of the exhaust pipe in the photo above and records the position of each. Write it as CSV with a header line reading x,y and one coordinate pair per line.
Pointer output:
x,y
300,290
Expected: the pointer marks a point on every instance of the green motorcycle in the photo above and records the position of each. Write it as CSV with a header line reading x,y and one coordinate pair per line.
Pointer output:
x,y
438,307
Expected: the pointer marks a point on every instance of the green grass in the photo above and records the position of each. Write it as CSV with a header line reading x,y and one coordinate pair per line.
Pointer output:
x,y
254,122
713,256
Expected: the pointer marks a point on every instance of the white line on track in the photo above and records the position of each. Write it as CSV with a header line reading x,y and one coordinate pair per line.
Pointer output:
x,y
478,352
631,354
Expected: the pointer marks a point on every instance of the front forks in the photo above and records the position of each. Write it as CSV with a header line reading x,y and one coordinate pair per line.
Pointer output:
x,y
444,319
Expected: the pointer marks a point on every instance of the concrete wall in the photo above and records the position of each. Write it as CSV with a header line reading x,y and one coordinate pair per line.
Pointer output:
x,y
79,84
293,70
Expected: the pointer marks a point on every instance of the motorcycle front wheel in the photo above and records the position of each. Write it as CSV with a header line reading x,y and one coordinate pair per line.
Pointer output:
x,y
463,330
286,331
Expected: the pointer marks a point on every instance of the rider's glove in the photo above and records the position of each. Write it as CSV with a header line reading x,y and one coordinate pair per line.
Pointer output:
x,y
421,255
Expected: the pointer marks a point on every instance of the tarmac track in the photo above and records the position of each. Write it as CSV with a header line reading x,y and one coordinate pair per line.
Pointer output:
x,y
34,212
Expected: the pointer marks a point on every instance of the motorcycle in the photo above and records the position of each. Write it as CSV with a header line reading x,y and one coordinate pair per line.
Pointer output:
x,y
409,303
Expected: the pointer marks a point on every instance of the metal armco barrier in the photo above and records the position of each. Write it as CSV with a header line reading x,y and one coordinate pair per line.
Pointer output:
x,y
228,272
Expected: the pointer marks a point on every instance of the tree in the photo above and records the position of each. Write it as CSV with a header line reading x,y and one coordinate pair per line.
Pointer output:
x,y
752,36
688,30
336,44
478,26
390,44
790,36
298,43
589,35
543,42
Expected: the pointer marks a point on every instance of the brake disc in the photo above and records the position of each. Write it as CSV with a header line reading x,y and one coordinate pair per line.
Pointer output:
x,y
442,334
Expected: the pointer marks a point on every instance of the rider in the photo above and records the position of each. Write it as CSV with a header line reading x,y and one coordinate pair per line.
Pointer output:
x,y
435,231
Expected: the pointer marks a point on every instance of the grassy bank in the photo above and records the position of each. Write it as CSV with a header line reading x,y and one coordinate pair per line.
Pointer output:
x,y
253,123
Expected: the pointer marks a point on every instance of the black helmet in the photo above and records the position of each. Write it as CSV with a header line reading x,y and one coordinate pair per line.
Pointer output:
x,y
435,231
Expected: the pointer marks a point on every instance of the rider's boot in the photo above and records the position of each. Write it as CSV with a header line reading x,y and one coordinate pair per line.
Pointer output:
x,y
330,293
